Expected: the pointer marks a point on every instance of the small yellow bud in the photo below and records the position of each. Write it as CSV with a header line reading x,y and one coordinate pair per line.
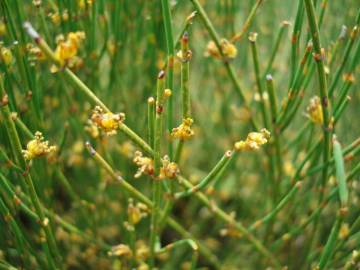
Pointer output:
x,y
344,231
253,36
167,92
136,212
314,110
151,100
6,56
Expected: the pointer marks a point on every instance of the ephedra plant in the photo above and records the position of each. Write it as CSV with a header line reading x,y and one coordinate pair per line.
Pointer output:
x,y
179,134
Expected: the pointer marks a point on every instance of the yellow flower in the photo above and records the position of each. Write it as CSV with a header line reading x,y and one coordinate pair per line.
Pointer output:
x,y
109,122
37,147
169,169
229,50
6,56
67,49
184,131
314,110
145,164
253,141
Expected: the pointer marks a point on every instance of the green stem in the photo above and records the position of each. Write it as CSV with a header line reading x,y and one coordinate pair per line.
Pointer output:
x,y
284,25
323,87
345,58
170,66
248,21
211,176
5,185
229,68
231,222
151,120
252,38
138,195
278,207
26,177
185,67
156,188
331,243
188,242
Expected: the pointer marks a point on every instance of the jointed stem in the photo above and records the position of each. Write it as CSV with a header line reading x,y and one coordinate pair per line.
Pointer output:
x,y
170,64
138,195
156,188
319,58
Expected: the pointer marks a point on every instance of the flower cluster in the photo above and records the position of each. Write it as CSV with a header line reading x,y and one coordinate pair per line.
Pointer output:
x,y
228,49
37,147
109,122
314,110
168,170
67,49
184,57
184,131
253,141
145,164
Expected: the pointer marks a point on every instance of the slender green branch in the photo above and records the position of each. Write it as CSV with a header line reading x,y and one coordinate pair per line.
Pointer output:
x,y
229,68
156,187
26,177
187,242
344,60
275,50
319,58
138,195
170,66
248,21
211,176
289,195
231,222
